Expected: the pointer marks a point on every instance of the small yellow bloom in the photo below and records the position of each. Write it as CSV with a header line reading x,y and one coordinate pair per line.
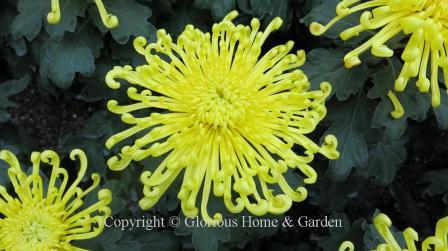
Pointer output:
x,y
438,242
228,118
35,220
425,22
109,20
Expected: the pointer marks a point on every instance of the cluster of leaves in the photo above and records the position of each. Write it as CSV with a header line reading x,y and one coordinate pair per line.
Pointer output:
x,y
67,63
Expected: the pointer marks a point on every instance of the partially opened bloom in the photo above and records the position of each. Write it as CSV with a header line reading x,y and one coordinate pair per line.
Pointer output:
x,y
437,242
109,20
49,219
424,22
226,117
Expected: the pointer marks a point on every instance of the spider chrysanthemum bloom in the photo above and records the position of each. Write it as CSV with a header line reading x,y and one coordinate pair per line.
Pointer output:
x,y
51,219
229,119
437,242
109,20
424,22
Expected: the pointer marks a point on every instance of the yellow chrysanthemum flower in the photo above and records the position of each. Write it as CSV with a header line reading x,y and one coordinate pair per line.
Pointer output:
x,y
109,20
424,21
228,119
438,242
35,220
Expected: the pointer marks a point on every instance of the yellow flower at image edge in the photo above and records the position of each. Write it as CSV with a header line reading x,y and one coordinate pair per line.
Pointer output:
x,y
110,21
438,242
50,220
228,119
424,21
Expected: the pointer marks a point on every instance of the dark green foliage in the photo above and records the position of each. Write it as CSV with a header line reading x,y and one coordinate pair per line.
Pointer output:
x,y
382,165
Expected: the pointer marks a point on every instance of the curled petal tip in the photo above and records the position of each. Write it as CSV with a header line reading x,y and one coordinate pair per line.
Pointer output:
x,y
435,100
105,195
382,51
77,153
317,29
5,155
255,23
111,21
115,164
35,157
382,219
277,23
55,15
110,81
232,15
146,203
139,44
348,33
398,111
346,246
351,61
53,18
400,84
326,88
423,84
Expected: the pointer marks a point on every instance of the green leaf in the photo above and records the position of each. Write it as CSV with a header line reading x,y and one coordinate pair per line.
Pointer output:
x,y
384,79
436,184
74,53
384,159
349,232
350,123
91,138
409,208
19,45
29,21
205,238
107,240
266,10
127,55
17,143
10,88
160,241
95,89
7,14
415,103
436,181
126,245
262,7
70,11
132,20
333,196
441,112
118,203
185,14
219,8
325,65
4,178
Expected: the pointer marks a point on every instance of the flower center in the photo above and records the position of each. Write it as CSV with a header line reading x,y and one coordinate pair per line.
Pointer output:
x,y
219,106
31,228
220,91
36,232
